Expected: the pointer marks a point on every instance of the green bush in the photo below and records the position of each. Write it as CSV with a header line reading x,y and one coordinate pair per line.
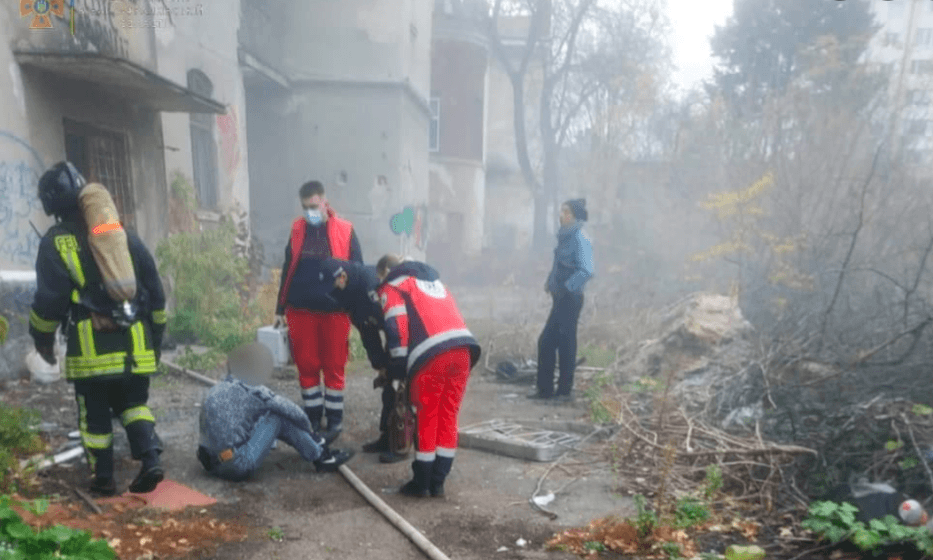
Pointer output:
x,y
19,435
18,541
837,522
594,396
690,512
209,287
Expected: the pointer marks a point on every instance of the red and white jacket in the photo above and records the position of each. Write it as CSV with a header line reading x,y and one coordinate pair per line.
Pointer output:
x,y
421,318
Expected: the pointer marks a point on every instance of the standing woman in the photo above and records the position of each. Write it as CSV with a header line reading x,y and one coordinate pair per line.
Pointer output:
x,y
573,267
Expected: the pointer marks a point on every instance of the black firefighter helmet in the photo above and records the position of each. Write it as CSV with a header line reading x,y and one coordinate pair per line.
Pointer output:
x,y
59,188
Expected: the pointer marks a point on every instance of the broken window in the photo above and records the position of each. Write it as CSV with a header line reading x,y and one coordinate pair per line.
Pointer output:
x,y
101,156
203,145
434,132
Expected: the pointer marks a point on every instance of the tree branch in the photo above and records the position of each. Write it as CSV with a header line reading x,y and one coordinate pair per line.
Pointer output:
x,y
855,234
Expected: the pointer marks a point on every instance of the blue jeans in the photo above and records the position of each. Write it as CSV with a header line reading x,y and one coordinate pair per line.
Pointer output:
x,y
249,456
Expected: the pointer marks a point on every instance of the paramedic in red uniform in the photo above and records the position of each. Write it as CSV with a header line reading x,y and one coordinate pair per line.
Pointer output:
x,y
318,329
430,345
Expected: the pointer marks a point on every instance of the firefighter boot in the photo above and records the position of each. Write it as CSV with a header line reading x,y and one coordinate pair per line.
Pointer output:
x,y
146,447
101,461
417,487
439,474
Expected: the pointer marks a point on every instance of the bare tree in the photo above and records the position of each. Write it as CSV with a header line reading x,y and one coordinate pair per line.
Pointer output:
x,y
579,48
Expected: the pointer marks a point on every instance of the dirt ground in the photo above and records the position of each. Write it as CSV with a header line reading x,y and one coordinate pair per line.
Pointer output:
x,y
486,513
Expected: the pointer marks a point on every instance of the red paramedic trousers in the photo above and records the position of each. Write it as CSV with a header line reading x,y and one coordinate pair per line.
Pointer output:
x,y
437,392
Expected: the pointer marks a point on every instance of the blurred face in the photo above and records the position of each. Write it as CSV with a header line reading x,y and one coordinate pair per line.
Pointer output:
x,y
566,216
341,281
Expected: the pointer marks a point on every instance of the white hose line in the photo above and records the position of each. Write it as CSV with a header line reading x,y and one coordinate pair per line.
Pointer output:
x,y
397,520
400,523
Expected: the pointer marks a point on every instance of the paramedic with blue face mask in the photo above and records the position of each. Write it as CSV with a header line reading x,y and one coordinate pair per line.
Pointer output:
x,y
318,329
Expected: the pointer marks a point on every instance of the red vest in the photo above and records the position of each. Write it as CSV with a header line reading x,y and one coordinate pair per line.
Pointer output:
x,y
339,233
427,320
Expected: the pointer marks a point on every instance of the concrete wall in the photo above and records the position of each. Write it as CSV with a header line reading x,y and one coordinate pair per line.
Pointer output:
x,y
459,63
199,41
354,117
101,26
509,219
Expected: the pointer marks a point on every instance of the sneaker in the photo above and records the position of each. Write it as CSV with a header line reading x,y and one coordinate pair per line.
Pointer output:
x,y
390,457
103,487
147,479
331,460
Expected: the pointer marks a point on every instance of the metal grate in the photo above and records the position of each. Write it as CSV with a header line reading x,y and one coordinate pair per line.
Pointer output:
x,y
101,155
517,440
109,166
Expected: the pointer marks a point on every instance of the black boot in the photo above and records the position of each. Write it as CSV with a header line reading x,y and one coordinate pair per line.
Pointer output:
x,y
392,457
145,446
380,445
315,415
101,461
334,424
417,487
439,474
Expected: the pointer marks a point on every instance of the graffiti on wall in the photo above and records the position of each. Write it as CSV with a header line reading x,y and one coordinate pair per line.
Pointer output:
x,y
229,126
412,222
18,201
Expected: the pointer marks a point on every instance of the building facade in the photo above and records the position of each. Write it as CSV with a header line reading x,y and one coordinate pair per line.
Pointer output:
x,y
96,85
339,92
457,133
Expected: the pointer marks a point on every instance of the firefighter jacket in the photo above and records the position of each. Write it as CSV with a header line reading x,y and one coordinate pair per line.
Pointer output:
x,y
342,243
361,301
421,319
69,286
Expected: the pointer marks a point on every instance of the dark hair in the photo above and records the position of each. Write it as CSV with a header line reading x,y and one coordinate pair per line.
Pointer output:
x,y
387,263
578,208
310,189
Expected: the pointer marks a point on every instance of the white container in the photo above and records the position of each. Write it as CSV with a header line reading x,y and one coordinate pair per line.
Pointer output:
x,y
276,340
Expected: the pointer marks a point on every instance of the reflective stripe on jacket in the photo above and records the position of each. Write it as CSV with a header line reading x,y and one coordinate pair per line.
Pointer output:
x,y
67,281
421,317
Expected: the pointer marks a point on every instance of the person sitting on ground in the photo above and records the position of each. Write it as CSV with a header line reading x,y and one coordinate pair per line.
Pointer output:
x,y
354,290
241,419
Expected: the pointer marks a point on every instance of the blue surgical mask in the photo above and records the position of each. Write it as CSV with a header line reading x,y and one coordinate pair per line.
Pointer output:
x,y
313,216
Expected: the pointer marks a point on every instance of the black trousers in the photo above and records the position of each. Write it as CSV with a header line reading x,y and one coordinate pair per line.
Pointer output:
x,y
388,402
559,338
99,400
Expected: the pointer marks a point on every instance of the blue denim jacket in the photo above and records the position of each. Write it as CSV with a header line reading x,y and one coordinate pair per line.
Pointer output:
x,y
573,261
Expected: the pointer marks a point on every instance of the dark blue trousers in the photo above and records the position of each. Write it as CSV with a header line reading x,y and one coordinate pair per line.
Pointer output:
x,y
559,338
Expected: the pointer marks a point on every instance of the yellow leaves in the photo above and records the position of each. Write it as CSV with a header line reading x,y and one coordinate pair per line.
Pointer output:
x,y
731,203
722,249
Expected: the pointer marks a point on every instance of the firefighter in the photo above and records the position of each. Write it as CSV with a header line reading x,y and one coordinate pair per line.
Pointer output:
x,y
318,330
355,288
111,350
429,344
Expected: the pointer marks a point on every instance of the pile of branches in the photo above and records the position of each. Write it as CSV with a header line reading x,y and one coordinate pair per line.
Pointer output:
x,y
670,452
